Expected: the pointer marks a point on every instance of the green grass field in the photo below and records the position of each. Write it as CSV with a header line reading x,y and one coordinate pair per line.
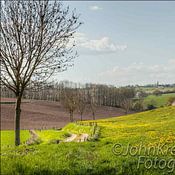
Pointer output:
x,y
7,138
158,101
142,130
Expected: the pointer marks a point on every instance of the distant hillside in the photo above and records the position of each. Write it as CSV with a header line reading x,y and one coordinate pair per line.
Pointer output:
x,y
158,101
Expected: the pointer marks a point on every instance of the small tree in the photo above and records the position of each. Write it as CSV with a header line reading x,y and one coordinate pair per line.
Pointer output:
x,y
126,97
70,101
127,104
93,109
157,92
92,101
81,104
138,105
35,44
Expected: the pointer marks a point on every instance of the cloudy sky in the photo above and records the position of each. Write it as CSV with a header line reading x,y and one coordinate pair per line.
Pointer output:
x,y
124,43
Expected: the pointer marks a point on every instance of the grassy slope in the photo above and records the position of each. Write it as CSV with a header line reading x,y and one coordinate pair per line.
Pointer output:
x,y
8,137
156,122
158,101
149,128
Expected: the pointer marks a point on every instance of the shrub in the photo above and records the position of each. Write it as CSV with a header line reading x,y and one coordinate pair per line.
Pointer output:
x,y
54,141
34,141
95,133
141,94
67,135
151,106
138,106
157,92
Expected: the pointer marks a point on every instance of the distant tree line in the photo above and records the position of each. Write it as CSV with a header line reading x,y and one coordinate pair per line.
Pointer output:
x,y
91,94
158,85
78,97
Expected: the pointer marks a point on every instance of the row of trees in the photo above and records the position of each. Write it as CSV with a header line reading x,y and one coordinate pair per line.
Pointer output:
x,y
76,96
91,96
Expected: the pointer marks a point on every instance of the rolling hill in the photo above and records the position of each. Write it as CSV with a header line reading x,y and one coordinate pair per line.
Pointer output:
x,y
141,143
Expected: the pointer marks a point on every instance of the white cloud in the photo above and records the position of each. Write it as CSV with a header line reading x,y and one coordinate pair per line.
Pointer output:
x,y
95,8
171,61
139,73
104,44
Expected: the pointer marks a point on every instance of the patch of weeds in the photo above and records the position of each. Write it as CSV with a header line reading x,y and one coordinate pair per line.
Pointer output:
x,y
65,135
35,142
54,141
96,133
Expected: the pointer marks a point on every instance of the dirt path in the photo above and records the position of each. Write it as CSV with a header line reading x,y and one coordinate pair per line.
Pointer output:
x,y
83,138
71,138
76,138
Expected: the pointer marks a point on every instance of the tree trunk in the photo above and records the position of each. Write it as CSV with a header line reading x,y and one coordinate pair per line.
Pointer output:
x,y
93,114
17,120
81,116
71,116
126,112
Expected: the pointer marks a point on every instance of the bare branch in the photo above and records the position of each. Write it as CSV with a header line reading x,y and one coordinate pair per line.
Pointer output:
x,y
35,39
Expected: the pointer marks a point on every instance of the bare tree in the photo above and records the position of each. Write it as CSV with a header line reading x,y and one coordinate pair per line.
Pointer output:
x,y
36,42
127,104
81,103
70,101
126,96
93,109
92,101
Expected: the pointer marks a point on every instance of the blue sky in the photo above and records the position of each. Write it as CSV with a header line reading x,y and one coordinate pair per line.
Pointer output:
x,y
123,43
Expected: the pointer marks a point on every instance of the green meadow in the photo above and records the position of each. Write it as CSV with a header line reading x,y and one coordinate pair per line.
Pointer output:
x,y
124,145
158,101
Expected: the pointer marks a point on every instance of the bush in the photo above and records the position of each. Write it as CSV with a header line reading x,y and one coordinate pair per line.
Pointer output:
x,y
54,141
141,94
96,133
151,107
67,135
138,106
34,141
157,92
